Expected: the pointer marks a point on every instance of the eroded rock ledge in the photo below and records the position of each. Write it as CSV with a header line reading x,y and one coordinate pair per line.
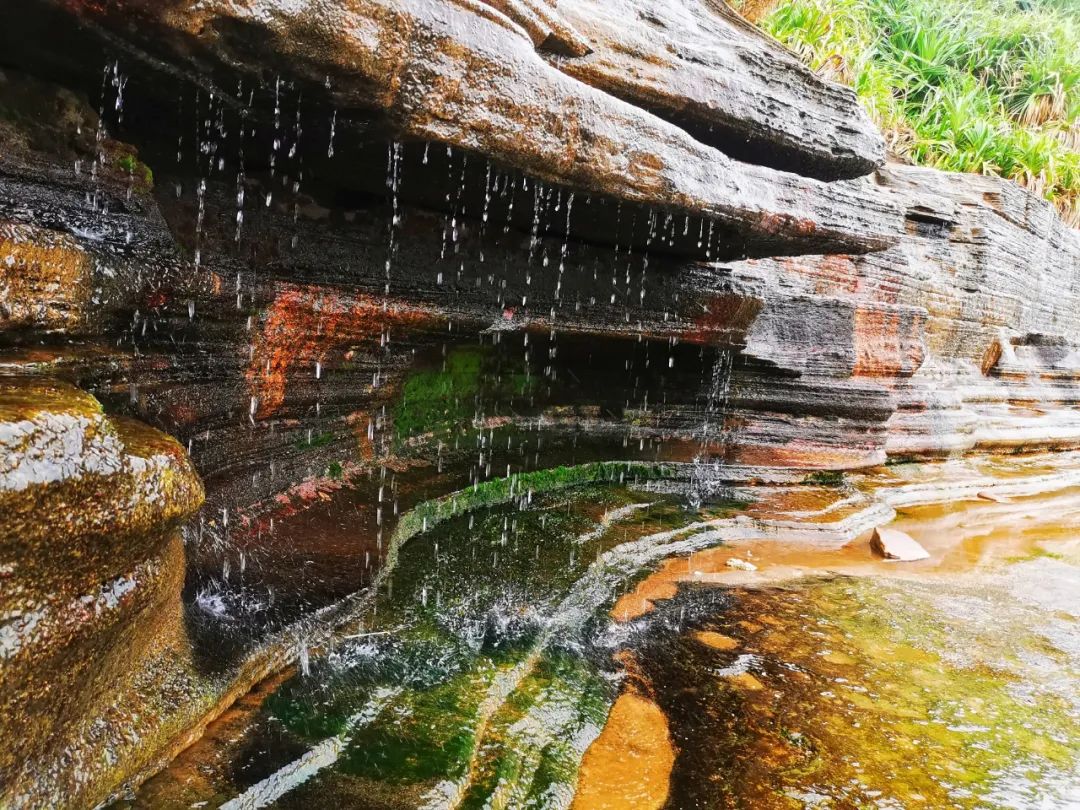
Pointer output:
x,y
466,74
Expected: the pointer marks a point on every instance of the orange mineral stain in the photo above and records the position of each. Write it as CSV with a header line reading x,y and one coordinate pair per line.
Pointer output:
x,y
718,641
306,323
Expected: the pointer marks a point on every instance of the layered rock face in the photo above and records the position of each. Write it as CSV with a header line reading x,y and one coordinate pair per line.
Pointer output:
x,y
965,332
354,256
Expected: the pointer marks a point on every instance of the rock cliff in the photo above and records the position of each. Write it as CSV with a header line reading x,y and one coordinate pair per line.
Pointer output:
x,y
378,251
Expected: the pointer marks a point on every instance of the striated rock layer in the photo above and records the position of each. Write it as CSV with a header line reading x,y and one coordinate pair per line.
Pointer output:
x,y
356,256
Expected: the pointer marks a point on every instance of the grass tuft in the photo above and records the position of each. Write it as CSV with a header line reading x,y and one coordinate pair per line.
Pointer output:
x,y
984,86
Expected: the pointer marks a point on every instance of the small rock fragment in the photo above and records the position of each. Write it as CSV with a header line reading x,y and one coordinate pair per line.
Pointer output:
x,y
897,546
718,641
741,565
993,497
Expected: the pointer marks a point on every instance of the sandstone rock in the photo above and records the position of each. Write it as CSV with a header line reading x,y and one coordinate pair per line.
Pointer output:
x,y
895,545
911,313
747,681
45,278
917,331
699,65
93,570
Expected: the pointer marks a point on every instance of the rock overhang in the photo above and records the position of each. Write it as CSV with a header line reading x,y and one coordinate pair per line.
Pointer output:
x,y
468,76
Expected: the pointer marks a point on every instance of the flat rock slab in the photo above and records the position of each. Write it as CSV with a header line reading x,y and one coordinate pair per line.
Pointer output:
x,y
896,546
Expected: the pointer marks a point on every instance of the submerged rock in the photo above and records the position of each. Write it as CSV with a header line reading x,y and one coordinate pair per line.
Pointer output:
x,y
741,565
893,544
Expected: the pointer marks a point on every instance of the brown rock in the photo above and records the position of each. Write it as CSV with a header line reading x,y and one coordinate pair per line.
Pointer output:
x,y
44,278
466,74
90,602
699,65
895,545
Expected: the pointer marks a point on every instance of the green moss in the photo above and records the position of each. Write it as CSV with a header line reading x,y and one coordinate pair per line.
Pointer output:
x,y
893,696
527,745
427,735
825,478
440,401
315,440
502,490
133,166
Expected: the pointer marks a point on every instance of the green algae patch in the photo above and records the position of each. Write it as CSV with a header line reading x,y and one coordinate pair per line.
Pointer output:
x,y
487,705
825,478
426,735
526,485
534,743
314,441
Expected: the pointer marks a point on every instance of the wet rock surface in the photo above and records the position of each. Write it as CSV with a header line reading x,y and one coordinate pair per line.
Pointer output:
x,y
893,544
467,75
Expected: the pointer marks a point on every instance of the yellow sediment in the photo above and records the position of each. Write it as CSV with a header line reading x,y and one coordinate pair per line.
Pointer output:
x,y
628,767
960,536
747,681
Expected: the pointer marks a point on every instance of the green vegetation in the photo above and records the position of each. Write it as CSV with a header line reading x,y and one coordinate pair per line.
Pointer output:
x,y
308,442
131,165
502,490
986,86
